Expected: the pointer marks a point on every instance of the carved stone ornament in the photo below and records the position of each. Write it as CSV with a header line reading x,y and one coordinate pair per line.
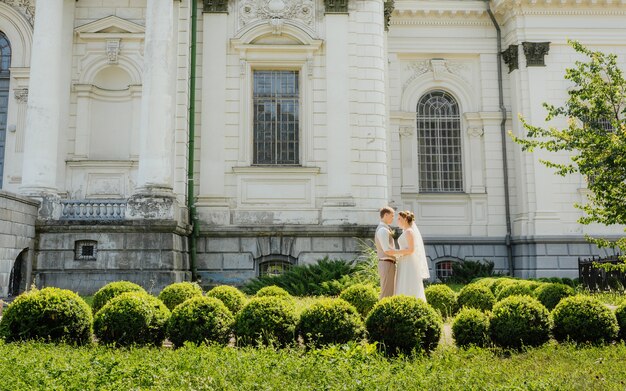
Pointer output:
x,y
215,6
336,6
389,7
475,132
407,131
25,7
113,50
510,57
21,95
535,53
272,10
438,66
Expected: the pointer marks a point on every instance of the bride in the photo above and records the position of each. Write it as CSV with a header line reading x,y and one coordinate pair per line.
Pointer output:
x,y
412,266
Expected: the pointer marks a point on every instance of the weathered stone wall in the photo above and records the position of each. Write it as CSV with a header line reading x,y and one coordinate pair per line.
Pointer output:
x,y
17,233
150,255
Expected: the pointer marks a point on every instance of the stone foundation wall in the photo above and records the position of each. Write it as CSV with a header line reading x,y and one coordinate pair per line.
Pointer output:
x,y
17,233
150,256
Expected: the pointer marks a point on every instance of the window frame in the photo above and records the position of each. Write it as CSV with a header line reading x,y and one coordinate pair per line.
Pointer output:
x,y
461,141
252,117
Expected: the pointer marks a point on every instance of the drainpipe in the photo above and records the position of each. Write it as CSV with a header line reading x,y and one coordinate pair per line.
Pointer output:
x,y
191,199
505,164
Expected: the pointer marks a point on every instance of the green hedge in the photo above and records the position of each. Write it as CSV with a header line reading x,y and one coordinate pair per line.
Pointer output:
x,y
584,319
111,290
132,318
471,328
442,298
519,321
362,297
177,293
232,297
476,296
403,324
200,319
50,314
330,321
266,320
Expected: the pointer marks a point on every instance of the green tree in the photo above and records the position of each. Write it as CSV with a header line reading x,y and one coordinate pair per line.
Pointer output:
x,y
595,137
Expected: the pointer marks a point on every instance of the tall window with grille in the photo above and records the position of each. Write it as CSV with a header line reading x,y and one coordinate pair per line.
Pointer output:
x,y
439,143
5,63
276,101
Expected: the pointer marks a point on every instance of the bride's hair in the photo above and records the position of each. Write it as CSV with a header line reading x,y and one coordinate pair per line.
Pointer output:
x,y
408,216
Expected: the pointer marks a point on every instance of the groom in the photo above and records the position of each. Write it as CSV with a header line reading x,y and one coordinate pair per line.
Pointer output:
x,y
386,263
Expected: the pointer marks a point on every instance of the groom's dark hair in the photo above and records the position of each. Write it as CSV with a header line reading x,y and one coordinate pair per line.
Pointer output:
x,y
385,210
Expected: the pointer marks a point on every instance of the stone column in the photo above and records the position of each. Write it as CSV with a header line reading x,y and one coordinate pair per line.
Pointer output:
x,y
43,118
157,111
212,203
154,197
339,138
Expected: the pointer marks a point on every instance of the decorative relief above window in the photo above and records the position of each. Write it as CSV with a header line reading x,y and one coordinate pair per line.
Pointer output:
x,y
299,10
215,6
439,68
25,7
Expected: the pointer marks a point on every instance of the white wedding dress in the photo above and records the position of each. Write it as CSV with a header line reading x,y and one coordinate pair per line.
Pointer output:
x,y
412,268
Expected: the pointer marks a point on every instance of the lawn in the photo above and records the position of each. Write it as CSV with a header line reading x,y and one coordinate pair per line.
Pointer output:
x,y
37,366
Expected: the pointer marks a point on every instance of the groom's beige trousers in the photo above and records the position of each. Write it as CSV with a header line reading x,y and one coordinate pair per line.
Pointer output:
x,y
387,273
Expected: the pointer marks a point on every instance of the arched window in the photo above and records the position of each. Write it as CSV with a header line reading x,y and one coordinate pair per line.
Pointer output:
x,y
5,63
439,143
443,270
274,265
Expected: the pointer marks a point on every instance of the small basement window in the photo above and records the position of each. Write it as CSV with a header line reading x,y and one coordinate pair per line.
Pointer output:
x,y
85,250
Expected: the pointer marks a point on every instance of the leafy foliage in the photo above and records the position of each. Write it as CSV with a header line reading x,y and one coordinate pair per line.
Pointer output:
x,y
304,280
132,318
272,291
232,297
200,319
476,296
584,319
595,136
362,297
466,271
519,321
519,288
50,314
331,321
175,294
551,294
403,325
471,328
266,320
442,298
112,290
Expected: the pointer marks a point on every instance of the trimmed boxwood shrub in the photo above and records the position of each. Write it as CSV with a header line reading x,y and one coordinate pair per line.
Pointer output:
x,y
620,314
200,319
272,290
584,319
361,296
489,282
551,294
519,321
442,298
501,283
518,288
403,324
330,321
266,320
177,293
112,290
132,318
471,328
50,314
476,296
232,297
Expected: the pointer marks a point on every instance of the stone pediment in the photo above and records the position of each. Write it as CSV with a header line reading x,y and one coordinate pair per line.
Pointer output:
x,y
110,27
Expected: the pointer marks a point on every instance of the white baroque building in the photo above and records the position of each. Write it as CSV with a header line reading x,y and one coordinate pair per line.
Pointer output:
x,y
146,140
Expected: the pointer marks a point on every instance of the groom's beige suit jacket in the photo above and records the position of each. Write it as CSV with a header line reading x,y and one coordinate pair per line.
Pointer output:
x,y
386,263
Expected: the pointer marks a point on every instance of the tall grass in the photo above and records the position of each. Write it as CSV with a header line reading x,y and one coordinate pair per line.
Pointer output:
x,y
36,366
